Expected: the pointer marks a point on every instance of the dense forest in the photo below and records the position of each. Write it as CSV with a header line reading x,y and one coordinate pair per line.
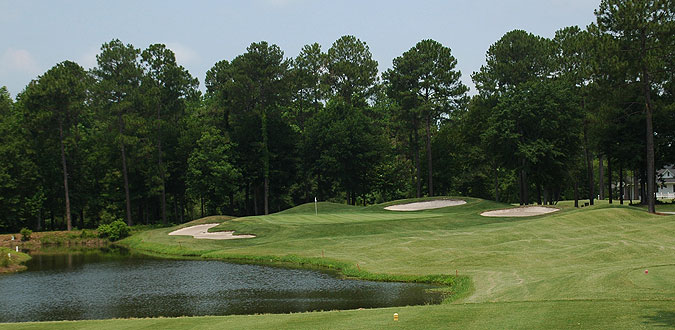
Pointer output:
x,y
572,117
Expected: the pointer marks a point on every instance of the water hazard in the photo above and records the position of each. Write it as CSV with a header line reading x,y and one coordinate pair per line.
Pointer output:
x,y
117,284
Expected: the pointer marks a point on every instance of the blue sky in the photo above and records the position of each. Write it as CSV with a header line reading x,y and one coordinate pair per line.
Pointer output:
x,y
36,35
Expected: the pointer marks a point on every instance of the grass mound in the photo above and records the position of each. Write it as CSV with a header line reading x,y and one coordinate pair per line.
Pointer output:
x,y
12,261
323,207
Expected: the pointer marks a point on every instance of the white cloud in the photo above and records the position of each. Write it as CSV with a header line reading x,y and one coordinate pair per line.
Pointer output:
x,y
184,55
18,61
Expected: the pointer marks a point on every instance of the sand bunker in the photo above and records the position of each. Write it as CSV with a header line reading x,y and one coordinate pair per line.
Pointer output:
x,y
527,211
201,232
417,206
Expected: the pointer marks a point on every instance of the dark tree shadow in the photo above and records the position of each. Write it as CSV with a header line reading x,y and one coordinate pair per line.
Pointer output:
x,y
661,319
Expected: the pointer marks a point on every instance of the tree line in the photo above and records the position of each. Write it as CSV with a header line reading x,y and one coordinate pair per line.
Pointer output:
x,y
134,138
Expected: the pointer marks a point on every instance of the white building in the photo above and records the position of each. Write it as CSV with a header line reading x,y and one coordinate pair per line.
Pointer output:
x,y
666,183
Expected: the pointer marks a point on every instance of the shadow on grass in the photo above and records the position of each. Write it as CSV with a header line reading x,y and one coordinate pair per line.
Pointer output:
x,y
661,319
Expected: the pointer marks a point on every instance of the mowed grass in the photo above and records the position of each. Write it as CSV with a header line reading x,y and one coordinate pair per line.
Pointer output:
x,y
663,205
574,268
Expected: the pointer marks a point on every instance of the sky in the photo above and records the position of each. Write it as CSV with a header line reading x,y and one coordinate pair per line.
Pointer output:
x,y
36,35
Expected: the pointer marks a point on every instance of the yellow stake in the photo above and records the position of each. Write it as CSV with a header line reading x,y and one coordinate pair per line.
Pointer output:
x,y
395,316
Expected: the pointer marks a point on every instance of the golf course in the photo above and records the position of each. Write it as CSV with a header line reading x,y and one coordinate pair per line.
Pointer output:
x,y
599,267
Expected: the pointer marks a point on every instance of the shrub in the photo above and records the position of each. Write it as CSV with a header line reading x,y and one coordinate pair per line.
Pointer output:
x,y
85,234
4,260
25,234
113,231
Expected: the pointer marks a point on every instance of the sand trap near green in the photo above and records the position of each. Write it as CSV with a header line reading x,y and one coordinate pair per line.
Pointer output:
x,y
527,211
428,205
202,232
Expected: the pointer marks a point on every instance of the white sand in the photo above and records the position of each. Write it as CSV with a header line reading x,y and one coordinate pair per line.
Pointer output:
x,y
201,232
526,211
436,204
671,213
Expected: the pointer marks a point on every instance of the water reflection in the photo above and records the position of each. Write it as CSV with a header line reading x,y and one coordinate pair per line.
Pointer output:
x,y
114,283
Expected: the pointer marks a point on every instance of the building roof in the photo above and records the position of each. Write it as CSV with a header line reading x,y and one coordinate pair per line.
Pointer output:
x,y
666,174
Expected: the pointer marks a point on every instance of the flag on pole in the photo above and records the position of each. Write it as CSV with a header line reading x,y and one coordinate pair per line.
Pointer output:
x,y
316,209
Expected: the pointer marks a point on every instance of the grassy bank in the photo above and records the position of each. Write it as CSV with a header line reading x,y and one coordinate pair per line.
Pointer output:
x,y
74,238
574,268
12,261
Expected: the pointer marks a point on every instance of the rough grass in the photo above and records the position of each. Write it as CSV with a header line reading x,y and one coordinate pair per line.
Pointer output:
x,y
574,268
38,240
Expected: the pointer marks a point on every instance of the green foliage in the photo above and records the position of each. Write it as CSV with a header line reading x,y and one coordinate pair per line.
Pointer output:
x,y
352,72
25,234
114,231
135,137
427,87
107,217
211,173
516,58
86,234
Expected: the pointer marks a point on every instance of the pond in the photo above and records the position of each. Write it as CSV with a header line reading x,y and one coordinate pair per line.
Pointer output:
x,y
114,283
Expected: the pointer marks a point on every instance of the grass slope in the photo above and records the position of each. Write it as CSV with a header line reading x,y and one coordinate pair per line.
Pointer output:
x,y
574,268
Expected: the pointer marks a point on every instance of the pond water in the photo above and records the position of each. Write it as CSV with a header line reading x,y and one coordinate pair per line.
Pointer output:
x,y
117,284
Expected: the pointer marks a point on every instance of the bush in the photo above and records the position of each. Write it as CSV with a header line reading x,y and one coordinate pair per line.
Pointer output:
x,y
25,234
113,231
85,234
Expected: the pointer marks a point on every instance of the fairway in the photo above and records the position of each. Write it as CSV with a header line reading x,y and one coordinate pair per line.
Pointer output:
x,y
573,268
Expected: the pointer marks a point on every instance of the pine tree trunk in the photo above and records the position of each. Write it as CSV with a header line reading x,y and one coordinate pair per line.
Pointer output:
x,y
651,182
636,187
267,195
181,204
589,165
255,201
576,193
620,183
69,224
601,177
125,174
159,163
496,183
266,163
609,177
520,186
247,198
526,189
416,151
429,156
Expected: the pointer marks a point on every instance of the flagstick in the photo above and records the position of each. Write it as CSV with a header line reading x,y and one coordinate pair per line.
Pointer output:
x,y
316,208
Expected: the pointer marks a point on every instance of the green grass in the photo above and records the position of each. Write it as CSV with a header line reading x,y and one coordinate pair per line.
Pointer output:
x,y
577,268
12,261
664,206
